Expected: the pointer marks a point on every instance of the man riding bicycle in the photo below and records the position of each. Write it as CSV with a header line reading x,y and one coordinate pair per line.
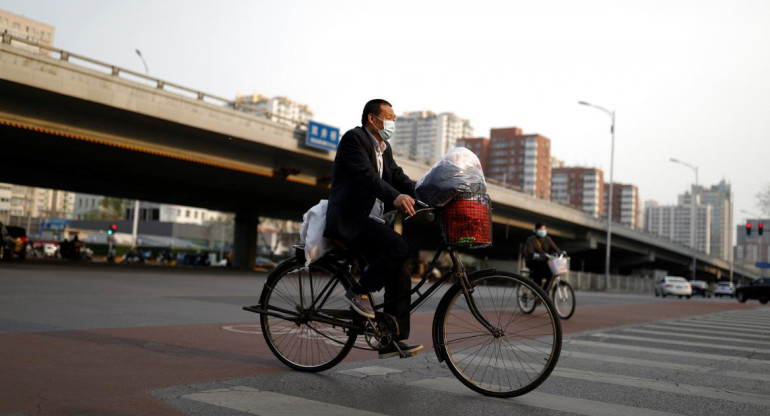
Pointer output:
x,y
366,182
536,250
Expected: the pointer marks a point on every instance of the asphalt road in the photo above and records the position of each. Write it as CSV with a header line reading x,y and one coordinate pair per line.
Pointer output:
x,y
101,339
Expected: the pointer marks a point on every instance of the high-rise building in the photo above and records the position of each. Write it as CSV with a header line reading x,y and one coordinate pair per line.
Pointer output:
x,y
40,202
582,188
280,109
719,197
28,29
425,135
674,222
5,202
477,145
521,160
625,203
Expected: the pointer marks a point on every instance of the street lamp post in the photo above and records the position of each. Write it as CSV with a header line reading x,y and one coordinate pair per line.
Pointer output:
x,y
693,213
146,71
610,196
136,202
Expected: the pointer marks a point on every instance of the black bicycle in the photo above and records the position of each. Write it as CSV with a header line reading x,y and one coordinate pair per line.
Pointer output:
x,y
479,330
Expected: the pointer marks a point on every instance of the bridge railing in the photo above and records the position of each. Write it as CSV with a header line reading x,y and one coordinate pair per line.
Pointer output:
x,y
597,282
144,79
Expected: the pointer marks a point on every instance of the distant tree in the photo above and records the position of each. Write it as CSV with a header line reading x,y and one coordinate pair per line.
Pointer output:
x,y
284,230
763,200
113,208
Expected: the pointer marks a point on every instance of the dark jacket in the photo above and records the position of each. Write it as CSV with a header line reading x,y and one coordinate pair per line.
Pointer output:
x,y
546,246
356,184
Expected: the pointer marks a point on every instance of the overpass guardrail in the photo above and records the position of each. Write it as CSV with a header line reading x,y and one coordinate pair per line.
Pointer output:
x,y
144,79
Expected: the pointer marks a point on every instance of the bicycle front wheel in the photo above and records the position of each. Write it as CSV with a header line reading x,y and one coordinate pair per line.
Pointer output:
x,y
297,294
564,299
526,299
518,355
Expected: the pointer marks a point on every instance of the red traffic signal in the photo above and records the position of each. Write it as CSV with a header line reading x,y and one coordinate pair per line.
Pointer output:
x,y
112,229
748,228
760,228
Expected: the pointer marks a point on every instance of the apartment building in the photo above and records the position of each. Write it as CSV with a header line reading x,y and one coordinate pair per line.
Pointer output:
x,y
426,136
581,188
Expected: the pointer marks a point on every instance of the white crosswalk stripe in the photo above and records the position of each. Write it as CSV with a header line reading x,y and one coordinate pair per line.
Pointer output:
x,y
267,403
716,359
705,337
743,335
683,343
546,401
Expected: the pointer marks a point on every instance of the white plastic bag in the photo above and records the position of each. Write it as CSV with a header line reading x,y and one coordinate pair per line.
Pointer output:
x,y
458,171
311,233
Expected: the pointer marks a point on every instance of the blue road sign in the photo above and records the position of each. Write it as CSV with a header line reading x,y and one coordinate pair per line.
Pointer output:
x,y
762,265
322,136
54,224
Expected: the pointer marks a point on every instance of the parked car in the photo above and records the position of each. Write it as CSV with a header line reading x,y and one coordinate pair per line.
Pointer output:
x,y
758,289
264,263
7,243
699,287
673,285
724,289
19,235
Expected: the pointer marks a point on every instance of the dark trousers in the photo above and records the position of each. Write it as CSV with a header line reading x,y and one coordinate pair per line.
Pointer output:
x,y
539,270
387,252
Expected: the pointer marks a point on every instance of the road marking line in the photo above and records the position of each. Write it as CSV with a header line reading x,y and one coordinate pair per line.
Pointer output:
x,y
750,322
747,375
726,324
714,328
268,403
705,331
369,371
685,343
634,348
647,384
722,338
616,359
543,400
665,386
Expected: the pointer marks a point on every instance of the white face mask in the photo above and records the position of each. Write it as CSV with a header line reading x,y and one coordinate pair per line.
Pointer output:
x,y
542,233
388,128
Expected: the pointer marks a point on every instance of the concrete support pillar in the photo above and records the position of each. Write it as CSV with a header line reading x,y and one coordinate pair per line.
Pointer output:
x,y
245,244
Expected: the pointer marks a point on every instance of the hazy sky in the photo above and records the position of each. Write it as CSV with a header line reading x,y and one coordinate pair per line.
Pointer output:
x,y
687,79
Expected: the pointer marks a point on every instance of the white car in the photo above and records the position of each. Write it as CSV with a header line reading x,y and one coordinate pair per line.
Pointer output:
x,y
49,250
725,289
673,285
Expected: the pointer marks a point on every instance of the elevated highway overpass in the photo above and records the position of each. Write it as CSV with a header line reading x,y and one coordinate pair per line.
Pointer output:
x,y
74,123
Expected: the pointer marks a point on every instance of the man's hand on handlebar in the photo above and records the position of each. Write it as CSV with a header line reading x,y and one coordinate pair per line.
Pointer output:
x,y
405,204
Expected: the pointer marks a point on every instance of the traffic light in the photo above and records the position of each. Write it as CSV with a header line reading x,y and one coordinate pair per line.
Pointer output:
x,y
748,228
112,229
760,228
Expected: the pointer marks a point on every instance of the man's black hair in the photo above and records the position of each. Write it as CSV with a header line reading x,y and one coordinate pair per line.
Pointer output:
x,y
374,107
538,225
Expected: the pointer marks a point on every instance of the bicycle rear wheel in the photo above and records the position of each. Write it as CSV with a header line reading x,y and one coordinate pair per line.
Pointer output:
x,y
564,299
519,356
298,293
